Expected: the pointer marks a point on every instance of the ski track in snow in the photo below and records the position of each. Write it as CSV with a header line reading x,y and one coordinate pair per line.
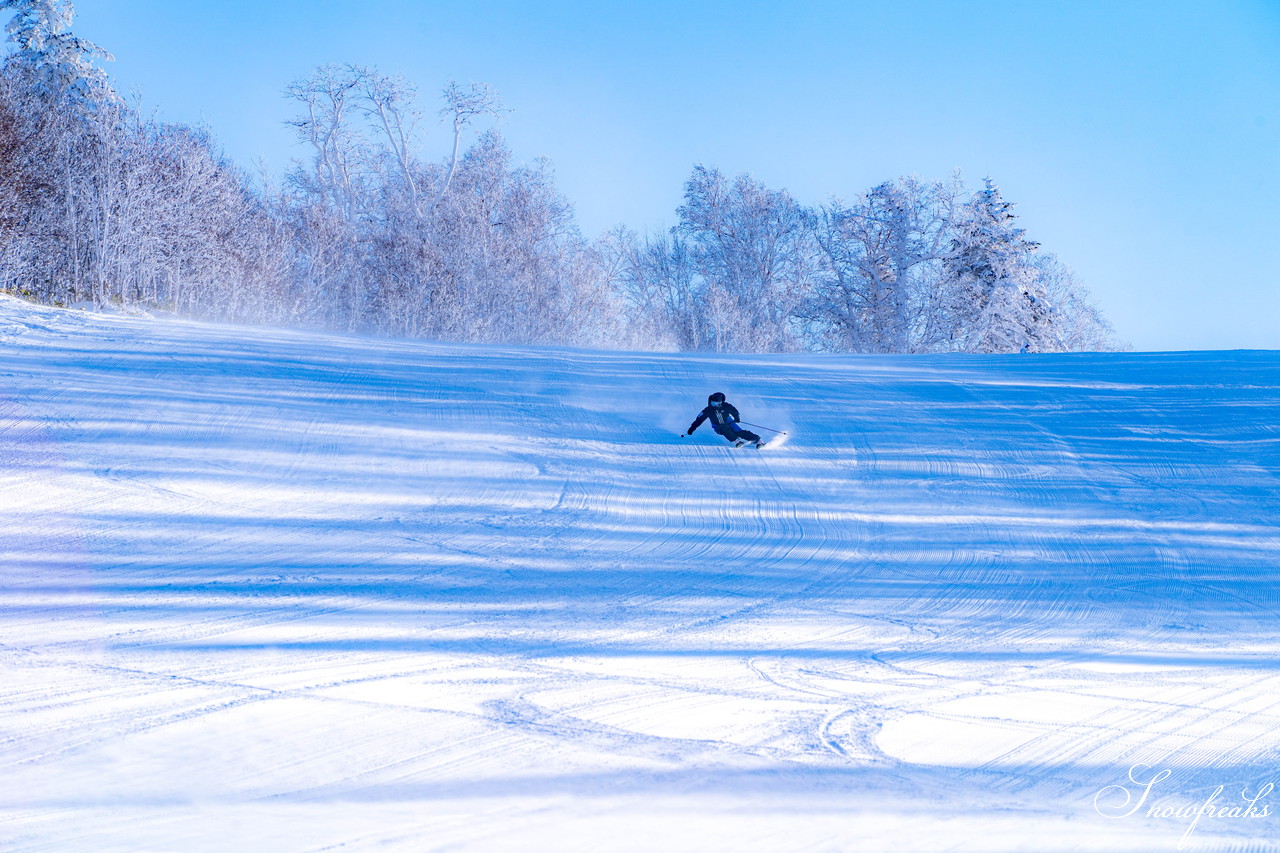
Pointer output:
x,y
270,590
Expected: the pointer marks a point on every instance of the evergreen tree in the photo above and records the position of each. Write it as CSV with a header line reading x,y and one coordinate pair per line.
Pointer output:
x,y
57,63
996,301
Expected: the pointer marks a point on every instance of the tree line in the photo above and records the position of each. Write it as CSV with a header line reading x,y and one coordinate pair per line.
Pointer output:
x,y
102,203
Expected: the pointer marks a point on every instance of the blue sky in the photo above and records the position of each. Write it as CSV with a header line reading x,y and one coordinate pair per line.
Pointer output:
x,y
1141,140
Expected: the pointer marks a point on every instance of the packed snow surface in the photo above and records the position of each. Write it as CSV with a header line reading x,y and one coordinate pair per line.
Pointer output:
x,y
280,591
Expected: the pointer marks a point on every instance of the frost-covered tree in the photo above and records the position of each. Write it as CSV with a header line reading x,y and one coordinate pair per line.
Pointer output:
x,y
60,105
753,249
388,103
20,185
1080,323
658,280
115,207
996,303
462,106
329,125
507,258
361,183
474,248
879,255
55,61
100,203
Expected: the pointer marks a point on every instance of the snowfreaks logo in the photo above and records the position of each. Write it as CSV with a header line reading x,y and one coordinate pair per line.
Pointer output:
x,y
1117,801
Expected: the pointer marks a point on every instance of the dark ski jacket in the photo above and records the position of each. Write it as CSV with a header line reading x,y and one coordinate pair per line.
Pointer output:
x,y
724,419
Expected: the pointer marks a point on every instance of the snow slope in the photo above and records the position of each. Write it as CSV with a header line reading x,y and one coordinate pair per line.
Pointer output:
x,y
277,591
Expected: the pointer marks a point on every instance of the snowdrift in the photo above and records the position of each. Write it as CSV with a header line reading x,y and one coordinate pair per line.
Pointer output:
x,y
269,590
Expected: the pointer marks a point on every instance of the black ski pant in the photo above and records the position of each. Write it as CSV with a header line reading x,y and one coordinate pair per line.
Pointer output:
x,y
733,433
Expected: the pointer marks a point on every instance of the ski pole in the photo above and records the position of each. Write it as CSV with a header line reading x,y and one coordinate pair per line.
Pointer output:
x,y
757,426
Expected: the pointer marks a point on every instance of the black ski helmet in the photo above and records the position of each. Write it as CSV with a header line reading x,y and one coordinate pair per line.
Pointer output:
x,y
715,398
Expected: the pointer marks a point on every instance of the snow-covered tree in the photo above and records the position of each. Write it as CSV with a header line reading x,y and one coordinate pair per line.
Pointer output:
x,y
99,202
389,105
658,280
995,298
506,259
1080,323
753,249
462,106
19,177
341,160
878,263
58,63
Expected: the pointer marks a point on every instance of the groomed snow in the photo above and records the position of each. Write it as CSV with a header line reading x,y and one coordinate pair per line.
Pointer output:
x,y
279,591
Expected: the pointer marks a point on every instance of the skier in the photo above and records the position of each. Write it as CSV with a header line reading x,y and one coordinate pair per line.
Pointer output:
x,y
724,420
